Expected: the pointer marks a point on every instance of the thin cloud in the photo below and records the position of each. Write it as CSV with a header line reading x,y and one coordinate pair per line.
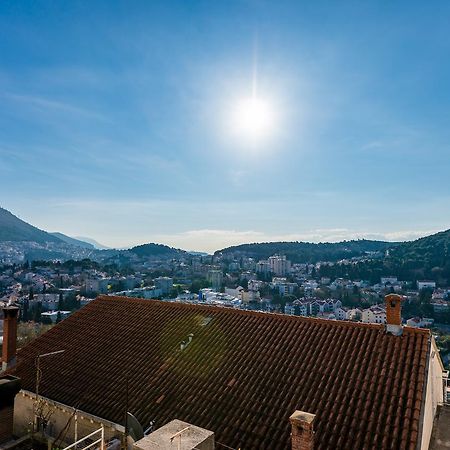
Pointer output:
x,y
53,105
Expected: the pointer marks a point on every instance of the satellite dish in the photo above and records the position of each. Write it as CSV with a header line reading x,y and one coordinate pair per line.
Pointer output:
x,y
134,428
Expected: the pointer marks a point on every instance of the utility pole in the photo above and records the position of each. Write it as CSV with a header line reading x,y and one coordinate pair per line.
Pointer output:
x,y
38,382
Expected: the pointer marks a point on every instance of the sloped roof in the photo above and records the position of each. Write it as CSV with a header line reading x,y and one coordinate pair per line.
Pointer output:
x,y
242,376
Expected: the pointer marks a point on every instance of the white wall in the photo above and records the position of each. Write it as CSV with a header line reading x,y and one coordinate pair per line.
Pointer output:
x,y
434,394
61,417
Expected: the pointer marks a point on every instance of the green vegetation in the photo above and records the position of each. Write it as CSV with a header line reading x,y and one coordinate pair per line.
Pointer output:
x,y
427,258
306,252
155,250
14,229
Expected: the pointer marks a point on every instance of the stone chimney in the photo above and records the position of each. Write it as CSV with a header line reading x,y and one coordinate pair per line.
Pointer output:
x,y
10,314
302,430
394,314
9,387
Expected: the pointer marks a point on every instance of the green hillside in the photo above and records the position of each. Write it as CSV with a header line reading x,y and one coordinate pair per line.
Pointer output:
x,y
306,252
14,229
147,250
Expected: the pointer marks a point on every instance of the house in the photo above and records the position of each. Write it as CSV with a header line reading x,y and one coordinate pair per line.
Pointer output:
x,y
340,314
54,315
256,380
354,314
374,314
417,322
426,284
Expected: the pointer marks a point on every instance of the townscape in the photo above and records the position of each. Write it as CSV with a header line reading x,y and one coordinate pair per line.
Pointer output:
x,y
224,225
50,290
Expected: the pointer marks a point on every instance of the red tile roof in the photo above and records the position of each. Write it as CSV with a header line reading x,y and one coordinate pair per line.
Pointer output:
x,y
242,376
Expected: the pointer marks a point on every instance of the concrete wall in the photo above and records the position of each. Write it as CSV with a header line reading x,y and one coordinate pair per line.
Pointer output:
x,y
434,394
61,416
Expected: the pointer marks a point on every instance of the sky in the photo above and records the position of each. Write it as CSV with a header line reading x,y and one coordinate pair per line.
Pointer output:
x,y
118,120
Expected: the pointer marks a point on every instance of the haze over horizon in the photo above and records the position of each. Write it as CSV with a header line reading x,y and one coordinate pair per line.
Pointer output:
x,y
128,123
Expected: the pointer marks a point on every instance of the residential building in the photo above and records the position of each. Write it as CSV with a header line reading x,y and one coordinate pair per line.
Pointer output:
x,y
426,284
54,315
279,265
374,314
263,267
164,283
340,314
215,277
390,280
354,314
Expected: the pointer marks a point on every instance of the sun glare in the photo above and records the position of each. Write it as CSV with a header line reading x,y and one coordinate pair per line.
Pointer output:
x,y
253,118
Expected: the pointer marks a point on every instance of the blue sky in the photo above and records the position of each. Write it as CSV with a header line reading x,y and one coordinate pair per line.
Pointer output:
x,y
114,119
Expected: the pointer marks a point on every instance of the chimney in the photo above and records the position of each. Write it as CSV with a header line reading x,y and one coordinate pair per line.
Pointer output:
x,y
9,387
394,314
10,313
302,430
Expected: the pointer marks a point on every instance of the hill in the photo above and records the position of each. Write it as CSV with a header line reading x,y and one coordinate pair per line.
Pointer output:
x,y
72,241
424,258
96,244
148,250
427,258
16,230
306,252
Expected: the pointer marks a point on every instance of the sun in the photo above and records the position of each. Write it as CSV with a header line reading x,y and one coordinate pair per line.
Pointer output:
x,y
253,118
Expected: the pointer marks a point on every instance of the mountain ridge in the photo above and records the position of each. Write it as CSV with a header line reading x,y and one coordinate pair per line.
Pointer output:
x,y
13,229
72,241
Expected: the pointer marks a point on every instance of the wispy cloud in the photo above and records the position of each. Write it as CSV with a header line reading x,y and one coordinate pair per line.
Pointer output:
x,y
56,106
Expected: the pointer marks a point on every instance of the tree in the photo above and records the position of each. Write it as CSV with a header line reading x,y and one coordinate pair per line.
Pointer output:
x,y
25,311
61,302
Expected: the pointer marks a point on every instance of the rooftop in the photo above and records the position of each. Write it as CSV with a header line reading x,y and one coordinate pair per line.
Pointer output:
x,y
175,435
242,374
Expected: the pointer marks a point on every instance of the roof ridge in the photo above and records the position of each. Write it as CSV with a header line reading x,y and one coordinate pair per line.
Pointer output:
x,y
280,316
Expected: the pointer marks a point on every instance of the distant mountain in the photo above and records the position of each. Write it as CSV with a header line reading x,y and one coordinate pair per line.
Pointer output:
x,y
146,250
306,252
96,244
72,241
14,229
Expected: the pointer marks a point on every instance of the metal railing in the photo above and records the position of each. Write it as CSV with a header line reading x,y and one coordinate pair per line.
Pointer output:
x,y
101,440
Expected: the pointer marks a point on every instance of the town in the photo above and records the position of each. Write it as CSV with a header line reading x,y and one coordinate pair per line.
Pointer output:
x,y
49,291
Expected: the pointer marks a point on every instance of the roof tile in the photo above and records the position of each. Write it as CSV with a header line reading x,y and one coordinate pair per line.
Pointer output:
x,y
243,374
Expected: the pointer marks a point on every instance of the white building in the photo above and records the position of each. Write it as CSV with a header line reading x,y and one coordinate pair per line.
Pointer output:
x,y
340,314
164,283
354,314
426,284
390,280
417,322
283,286
374,314
279,265
53,315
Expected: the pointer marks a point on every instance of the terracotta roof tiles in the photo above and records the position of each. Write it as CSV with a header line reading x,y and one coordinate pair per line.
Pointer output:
x,y
242,376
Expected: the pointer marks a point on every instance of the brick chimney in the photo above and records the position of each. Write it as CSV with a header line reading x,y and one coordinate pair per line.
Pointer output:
x,y
9,387
302,430
394,314
10,314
